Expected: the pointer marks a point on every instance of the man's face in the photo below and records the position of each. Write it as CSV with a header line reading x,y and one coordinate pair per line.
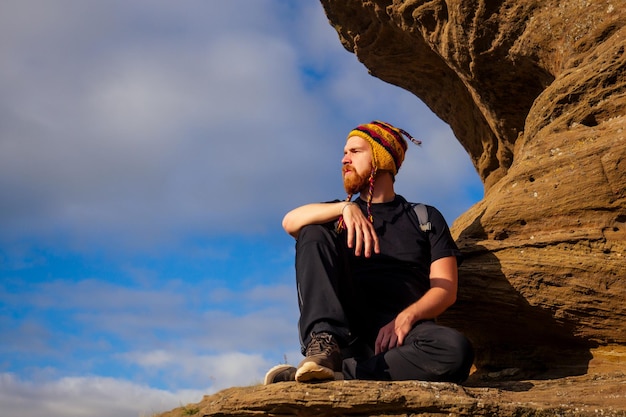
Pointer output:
x,y
356,164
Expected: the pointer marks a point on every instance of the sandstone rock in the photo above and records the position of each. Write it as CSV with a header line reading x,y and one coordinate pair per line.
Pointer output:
x,y
573,396
535,91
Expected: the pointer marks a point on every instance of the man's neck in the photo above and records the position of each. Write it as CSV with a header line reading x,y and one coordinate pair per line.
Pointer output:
x,y
383,190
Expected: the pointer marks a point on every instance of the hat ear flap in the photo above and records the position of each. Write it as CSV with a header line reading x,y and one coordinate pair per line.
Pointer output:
x,y
370,194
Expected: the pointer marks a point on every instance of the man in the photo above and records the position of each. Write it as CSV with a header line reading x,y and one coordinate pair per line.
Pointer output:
x,y
370,282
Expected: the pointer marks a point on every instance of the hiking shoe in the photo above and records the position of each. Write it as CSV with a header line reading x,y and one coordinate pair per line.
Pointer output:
x,y
323,360
280,373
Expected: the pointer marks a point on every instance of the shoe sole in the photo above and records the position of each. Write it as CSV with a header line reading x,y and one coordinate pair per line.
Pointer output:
x,y
269,376
310,371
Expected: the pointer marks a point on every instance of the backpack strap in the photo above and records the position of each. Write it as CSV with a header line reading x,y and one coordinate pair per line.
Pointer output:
x,y
422,216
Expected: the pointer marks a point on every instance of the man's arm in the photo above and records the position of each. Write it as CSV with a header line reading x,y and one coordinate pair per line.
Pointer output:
x,y
360,231
316,213
440,296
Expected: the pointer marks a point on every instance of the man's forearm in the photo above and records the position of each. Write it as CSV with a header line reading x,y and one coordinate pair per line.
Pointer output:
x,y
442,292
316,213
432,304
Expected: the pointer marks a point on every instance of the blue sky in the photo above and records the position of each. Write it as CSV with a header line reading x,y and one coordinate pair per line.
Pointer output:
x,y
148,151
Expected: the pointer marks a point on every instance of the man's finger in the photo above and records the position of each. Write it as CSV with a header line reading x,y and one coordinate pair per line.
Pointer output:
x,y
377,345
376,244
358,236
350,229
393,341
368,245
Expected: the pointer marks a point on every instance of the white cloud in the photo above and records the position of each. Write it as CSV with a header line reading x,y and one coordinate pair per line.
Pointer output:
x,y
87,397
216,372
129,146
169,121
96,396
94,322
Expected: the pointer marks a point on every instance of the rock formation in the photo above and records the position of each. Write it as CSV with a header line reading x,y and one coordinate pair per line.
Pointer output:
x,y
573,396
535,91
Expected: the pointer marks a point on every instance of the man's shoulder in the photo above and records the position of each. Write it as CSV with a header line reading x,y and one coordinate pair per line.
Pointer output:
x,y
426,213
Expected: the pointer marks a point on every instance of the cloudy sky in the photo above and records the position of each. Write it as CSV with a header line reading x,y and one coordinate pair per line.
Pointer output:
x,y
148,151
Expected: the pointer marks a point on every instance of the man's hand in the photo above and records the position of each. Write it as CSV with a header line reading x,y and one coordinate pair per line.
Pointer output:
x,y
393,333
361,233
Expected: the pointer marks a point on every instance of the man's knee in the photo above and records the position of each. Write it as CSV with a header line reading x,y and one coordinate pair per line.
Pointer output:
x,y
459,355
459,368
313,232
318,234
440,354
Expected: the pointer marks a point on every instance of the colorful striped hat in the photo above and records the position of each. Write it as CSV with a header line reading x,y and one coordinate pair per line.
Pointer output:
x,y
387,142
388,149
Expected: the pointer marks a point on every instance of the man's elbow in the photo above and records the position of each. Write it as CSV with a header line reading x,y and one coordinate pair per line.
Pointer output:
x,y
448,293
290,227
451,299
451,290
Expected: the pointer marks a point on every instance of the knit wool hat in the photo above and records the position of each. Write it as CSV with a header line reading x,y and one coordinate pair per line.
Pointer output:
x,y
387,142
388,149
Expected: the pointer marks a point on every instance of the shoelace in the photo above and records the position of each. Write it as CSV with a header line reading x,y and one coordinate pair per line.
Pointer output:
x,y
320,343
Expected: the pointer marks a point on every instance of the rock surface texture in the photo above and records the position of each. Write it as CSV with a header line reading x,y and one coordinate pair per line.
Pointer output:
x,y
535,91
572,396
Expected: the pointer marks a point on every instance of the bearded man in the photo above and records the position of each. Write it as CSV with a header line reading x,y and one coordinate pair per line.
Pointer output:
x,y
370,282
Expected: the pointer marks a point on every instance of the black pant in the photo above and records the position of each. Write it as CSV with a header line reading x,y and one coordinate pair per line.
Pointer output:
x,y
327,300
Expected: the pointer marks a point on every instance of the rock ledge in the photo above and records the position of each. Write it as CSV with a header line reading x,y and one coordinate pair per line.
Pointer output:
x,y
589,395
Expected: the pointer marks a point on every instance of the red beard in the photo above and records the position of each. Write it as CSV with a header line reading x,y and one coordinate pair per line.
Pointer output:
x,y
355,182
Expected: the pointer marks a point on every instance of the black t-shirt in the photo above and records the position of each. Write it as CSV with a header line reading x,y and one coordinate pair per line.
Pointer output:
x,y
399,275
